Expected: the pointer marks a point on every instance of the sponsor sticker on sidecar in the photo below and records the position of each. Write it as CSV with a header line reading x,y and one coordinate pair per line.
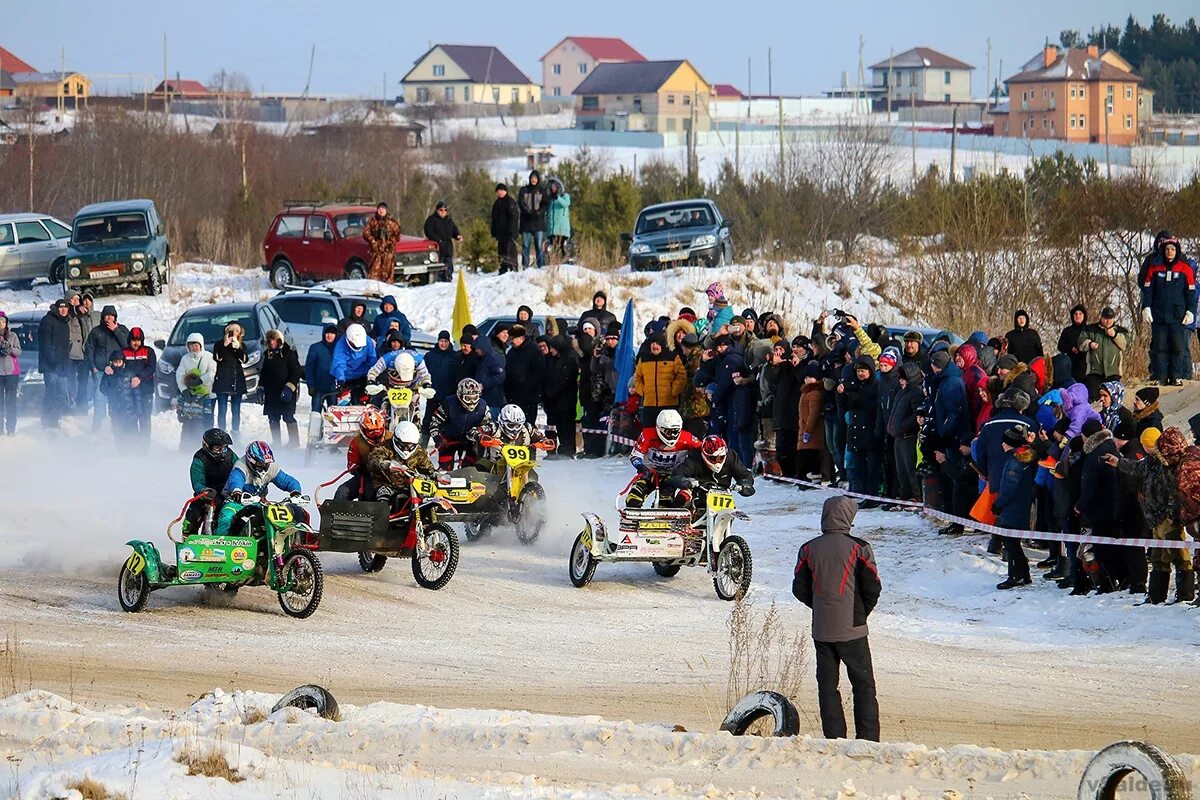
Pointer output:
x,y
238,555
658,546
186,554
248,563
212,555
191,575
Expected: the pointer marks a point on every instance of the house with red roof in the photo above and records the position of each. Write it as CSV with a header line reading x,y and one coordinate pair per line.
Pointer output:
x,y
183,89
19,78
569,62
921,76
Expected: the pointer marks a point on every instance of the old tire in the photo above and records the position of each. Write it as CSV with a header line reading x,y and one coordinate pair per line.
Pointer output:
x,y
282,274
434,569
664,570
582,566
370,561
154,285
310,697
1164,780
531,513
756,706
356,271
303,567
731,579
132,590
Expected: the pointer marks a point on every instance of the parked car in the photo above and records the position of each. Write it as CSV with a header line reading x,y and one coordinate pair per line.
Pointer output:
x,y
123,242
308,311
538,323
32,246
310,242
210,321
31,386
682,233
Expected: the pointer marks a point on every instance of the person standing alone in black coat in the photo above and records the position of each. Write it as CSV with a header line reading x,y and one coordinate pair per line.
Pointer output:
x,y
280,380
533,202
440,228
506,227
1023,341
523,366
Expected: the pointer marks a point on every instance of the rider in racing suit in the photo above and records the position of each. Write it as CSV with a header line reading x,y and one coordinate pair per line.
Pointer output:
x,y
371,432
393,464
458,422
711,468
658,452
512,428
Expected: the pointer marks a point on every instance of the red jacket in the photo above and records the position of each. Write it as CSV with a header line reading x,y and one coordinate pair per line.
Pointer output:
x,y
652,454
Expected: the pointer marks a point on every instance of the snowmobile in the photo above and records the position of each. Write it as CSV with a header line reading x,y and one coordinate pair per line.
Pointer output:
x,y
520,497
670,539
271,553
376,532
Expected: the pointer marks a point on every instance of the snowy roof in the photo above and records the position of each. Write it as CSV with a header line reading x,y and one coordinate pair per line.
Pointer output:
x,y
1074,64
482,63
921,58
602,48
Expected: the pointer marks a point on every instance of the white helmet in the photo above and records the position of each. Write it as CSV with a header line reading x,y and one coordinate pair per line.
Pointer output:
x,y
668,426
406,366
406,439
356,336
512,419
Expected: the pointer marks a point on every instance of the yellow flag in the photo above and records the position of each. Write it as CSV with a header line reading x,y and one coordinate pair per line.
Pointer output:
x,y
462,307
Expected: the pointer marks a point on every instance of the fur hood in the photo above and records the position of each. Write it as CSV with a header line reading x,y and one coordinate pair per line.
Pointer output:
x,y
675,326
1016,372
1096,439
1146,412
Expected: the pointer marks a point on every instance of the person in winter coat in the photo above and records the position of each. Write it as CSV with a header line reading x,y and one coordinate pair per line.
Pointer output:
x,y
694,404
54,361
279,378
1023,341
599,314
1074,404
490,369
1146,413
731,396
1069,345
353,357
1103,347
209,471
812,452
388,311
659,379
506,227
954,428
1168,283
558,219
441,228
230,383
837,578
142,362
902,427
862,406
357,316
719,314
1097,504
914,350
10,376
79,389
1011,410
533,202
524,371
441,362
382,233
888,382
560,393
318,366
967,360
194,379
1014,497
1112,402
102,340
784,379
115,386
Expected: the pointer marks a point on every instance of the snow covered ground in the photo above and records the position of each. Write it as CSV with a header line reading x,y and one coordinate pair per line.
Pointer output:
x,y
956,661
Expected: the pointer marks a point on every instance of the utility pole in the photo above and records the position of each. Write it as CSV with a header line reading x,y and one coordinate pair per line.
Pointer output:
x,y
166,78
1107,160
782,161
770,75
31,118
62,76
912,125
988,104
953,140
383,96
749,85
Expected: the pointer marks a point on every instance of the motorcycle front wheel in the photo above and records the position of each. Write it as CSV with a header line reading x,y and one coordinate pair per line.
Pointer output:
x,y
531,513
731,576
303,582
434,566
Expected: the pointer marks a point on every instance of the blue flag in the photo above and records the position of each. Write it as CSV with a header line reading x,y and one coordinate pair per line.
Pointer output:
x,y
625,351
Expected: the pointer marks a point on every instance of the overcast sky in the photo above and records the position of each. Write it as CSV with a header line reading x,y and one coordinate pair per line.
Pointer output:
x,y
269,41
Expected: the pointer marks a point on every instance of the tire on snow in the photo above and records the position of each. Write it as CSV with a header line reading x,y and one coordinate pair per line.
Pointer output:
x,y
311,697
1163,778
753,707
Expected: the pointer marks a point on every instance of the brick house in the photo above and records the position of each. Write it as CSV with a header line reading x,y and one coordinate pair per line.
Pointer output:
x,y
659,96
569,62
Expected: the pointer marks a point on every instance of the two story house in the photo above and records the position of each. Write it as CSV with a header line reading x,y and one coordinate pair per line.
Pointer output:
x,y
456,74
659,96
570,61
921,76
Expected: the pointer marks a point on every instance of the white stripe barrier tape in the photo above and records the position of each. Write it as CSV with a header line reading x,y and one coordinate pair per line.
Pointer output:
x,y
1045,536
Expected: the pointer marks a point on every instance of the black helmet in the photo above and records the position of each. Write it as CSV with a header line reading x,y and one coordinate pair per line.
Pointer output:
x,y
216,442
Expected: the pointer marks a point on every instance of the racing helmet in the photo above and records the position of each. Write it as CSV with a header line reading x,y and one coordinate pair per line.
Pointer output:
x,y
373,426
713,452
259,456
405,366
668,426
512,420
469,391
215,442
356,336
406,439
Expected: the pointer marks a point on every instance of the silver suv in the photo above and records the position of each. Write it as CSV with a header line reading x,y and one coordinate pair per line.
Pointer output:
x,y
32,246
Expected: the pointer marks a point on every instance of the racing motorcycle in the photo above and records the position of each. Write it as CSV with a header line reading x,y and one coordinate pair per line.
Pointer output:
x,y
521,500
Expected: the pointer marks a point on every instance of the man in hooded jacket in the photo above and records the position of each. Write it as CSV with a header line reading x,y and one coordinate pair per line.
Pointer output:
x,y
389,310
1023,341
54,361
1168,283
108,336
837,578
505,227
533,203
599,313
1068,342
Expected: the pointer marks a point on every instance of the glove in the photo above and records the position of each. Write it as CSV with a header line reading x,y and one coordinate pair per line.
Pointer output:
x,y
806,438
288,394
374,389
747,490
192,379
428,392
207,494
688,483
1147,314
1189,318
235,496
295,497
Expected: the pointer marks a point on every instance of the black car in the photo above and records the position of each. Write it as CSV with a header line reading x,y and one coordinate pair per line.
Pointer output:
x,y
210,321
682,233
537,324
31,385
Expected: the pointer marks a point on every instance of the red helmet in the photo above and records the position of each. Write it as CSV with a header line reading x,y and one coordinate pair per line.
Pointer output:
x,y
713,450
373,425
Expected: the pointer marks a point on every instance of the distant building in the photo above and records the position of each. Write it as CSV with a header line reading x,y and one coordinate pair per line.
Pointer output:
x,y
20,79
659,96
922,76
1078,95
183,90
727,91
570,61
455,74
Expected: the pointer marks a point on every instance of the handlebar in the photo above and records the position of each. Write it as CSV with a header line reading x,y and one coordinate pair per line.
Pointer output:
x,y
335,479
490,442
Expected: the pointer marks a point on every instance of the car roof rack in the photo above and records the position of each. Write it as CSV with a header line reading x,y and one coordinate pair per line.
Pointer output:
x,y
349,200
292,288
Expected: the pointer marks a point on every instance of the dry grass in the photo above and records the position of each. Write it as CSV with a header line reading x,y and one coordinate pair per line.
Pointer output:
x,y
602,256
254,716
15,675
763,655
92,789
212,764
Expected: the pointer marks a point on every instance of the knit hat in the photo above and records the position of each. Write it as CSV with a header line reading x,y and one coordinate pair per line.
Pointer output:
x,y
801,341
1092,427
1149,438
812,369
440,205
517,330
737,321
444,335
500,186
749,314
330,328
469,330
467,338
1147,394
614,329
1015,436
109,311
1108,313
913,336
940,359
1007,361
1171,444
865,362
724,339
136,333
690,340
115,356
911,372
715,291
890,357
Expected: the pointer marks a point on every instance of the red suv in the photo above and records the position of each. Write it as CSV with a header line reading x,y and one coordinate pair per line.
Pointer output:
x,y
323,241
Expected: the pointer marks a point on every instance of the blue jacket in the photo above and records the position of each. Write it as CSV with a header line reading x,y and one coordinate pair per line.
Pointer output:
x,y
239,481
951,413
1015,495
441,366
723,397
383,320
1168,290
350,364
318,368
490,372
990,455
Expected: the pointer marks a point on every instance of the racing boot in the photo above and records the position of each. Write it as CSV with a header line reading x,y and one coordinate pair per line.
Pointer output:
x,y
1159,581
1185,585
